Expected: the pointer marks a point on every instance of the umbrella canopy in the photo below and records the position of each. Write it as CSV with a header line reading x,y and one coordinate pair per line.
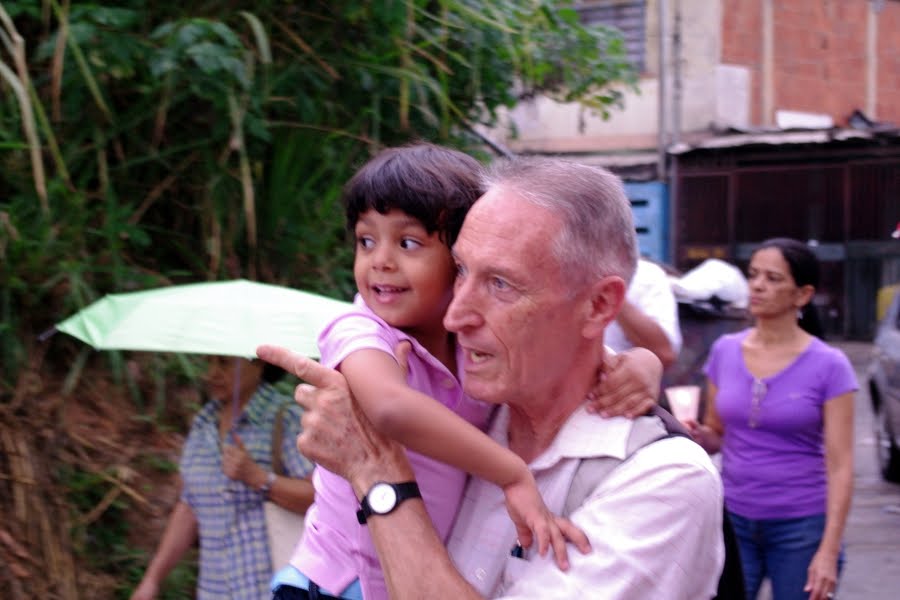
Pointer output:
x,y
228,318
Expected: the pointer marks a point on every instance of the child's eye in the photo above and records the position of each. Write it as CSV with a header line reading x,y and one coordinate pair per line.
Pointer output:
x,y
365,242
409,244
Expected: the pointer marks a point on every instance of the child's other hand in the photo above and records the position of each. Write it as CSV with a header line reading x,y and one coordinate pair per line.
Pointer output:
x,y
628,384
533,520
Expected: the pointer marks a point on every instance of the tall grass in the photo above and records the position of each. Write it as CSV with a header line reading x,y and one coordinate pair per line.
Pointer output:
x,y
146,143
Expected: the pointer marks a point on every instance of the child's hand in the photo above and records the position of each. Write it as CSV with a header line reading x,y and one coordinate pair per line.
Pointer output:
x,y
628,384
530,514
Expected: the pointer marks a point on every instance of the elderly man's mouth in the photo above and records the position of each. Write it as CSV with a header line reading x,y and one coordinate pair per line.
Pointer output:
x,y
476,357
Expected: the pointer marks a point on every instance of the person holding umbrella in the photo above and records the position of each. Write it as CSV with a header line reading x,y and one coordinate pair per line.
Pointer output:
x,y
227,474
234,459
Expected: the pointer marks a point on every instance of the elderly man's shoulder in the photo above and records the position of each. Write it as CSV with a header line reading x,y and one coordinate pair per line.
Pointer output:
x,y
677,465
652,463
678,451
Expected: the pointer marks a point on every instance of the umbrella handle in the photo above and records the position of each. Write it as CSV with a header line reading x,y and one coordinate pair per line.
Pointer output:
x,y
235,398
45,335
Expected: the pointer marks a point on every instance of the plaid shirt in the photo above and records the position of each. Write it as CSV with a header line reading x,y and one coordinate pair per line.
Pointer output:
x,y
234,553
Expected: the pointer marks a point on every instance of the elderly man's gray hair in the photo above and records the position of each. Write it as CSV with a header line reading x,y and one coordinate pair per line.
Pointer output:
x,y
598,236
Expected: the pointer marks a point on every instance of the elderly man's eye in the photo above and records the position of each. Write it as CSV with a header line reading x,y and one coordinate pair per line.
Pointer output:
x,y
500,284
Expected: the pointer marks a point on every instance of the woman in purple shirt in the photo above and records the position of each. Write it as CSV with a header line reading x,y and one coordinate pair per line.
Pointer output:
x,y
780,409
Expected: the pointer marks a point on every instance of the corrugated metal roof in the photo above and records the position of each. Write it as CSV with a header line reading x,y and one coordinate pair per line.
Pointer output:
x,y
779,138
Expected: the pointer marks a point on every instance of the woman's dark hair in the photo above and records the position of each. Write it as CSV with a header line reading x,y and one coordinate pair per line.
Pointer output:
x,y
804,267
430,183
271,373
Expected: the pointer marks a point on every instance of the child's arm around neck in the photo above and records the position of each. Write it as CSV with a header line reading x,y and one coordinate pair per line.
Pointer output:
x,y
426,426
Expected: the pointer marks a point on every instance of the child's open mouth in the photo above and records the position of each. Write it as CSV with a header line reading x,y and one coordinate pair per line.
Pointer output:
x,y
388,290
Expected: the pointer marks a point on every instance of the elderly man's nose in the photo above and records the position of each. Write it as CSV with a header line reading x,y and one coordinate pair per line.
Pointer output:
x,y
460,313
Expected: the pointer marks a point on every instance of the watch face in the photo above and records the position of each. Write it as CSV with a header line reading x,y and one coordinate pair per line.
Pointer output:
x,y
382,498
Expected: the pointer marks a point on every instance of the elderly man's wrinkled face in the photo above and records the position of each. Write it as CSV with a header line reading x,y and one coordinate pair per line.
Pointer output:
x,y
514,317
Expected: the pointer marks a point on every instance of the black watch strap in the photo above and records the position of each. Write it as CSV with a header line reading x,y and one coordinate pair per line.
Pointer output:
x,y
403,491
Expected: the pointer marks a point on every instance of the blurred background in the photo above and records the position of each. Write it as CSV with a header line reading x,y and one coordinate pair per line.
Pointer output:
x,y
146,143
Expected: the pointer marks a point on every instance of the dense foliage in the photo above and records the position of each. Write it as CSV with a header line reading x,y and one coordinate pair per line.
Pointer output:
x,y
149,142
145,143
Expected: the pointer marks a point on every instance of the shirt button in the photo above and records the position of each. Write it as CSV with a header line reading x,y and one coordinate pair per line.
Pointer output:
x,y
480,574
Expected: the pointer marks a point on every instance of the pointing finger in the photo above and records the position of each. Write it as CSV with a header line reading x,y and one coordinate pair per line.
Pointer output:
x,y
305,368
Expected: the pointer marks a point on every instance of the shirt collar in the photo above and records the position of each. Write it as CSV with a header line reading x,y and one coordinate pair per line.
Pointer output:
x,y
583,435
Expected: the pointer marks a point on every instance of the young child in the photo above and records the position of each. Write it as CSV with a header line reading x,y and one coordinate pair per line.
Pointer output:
x,y
405,208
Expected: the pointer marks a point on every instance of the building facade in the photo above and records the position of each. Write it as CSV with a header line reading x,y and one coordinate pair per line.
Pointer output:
x,y
752,118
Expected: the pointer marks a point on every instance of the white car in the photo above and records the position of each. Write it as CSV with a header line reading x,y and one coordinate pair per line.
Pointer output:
x,y
884,389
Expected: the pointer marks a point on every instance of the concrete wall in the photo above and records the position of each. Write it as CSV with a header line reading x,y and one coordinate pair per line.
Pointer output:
x,y
741,62
546,126
820,56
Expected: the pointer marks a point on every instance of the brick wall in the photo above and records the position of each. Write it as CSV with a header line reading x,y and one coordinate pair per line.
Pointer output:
x,y
820,55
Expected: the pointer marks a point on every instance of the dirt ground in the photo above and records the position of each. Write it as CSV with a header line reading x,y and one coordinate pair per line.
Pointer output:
x,y
87,479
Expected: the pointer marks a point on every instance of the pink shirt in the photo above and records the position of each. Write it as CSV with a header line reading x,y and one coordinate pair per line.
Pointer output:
x,y
335,550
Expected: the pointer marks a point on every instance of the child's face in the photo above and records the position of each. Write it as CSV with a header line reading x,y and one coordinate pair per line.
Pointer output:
x,y
404,274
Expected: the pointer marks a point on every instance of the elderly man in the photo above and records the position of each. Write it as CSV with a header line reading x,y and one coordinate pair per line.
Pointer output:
x,y
543,259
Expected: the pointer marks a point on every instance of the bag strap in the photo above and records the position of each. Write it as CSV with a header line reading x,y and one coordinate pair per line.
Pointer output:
x,y
277,436
657,425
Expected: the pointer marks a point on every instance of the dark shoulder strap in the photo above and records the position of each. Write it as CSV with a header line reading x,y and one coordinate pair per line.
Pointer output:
x,y
673,426
658,424
277,436
591,471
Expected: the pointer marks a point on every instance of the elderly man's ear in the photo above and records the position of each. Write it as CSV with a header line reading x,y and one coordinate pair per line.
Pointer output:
x,y
603,304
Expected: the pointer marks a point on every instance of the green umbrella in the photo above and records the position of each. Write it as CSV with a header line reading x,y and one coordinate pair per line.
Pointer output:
x,y
228,318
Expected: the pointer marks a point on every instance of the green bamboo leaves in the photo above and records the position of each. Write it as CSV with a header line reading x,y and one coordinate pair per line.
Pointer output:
x,y
185,141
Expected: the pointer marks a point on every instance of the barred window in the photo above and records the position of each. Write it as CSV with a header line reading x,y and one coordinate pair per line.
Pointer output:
x,y
628,16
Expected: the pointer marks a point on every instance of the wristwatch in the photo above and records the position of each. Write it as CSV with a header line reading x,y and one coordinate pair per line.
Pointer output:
x,y
265,488
385,497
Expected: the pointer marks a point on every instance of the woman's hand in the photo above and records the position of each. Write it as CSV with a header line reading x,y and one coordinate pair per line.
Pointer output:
x,y
147,590
708,438
238,465
821,575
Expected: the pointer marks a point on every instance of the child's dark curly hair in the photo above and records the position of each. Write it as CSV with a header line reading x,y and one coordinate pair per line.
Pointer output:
x,y
430,183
